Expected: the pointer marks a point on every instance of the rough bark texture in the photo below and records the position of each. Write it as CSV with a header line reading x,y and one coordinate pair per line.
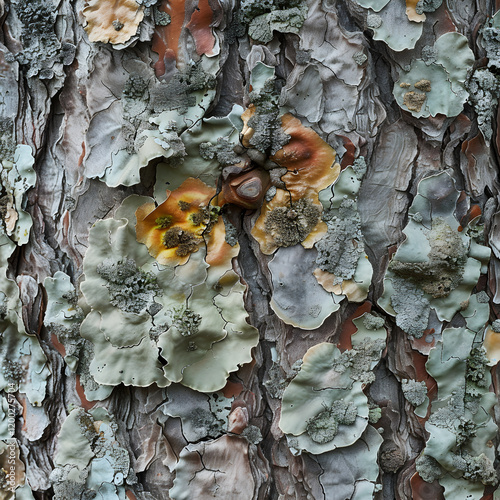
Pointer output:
x,y
113,99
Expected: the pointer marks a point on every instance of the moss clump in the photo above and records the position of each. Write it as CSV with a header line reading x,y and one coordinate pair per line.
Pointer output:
x,y
163,222
130,288
185,241
324,427
187,322
291,225
414,392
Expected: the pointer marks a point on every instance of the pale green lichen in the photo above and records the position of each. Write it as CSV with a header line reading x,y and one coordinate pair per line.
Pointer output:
x,y
495,325
476,468
372,322
340,249
222,151
414,392
324,426
428,468
484,88
427,6
130,288
135,87
268,136
359,359
491,41
178,93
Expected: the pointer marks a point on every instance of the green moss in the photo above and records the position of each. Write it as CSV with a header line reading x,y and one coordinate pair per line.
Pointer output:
x,y
130,288
413,391
291,225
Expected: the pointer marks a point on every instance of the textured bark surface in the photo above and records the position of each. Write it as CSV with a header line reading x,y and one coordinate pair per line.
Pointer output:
x,y
63,96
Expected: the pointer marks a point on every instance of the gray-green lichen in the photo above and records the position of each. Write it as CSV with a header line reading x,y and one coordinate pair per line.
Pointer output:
x,y
222,151
180,324
491,41
372,322
324,426
291,225
268,136
427,6
413,391
340,249
484,88
324,407
445,91
428,468
178,93
130,288
89,461
43,54
438,264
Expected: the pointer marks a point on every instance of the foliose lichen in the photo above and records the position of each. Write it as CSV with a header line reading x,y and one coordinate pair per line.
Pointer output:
x,y
291,225
427,6
372,322
428,468
415,392
177,93
324,426
339,250
130,288
223,151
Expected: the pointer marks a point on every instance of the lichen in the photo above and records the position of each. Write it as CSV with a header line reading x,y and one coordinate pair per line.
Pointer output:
x,y
187,322
413,391
135,87
324,426
427,6
484,88
290,225
178,93
223,151
372,322
428,468
476,468
495,325
339,250
268,136
411,306
130,288
443,270
359,359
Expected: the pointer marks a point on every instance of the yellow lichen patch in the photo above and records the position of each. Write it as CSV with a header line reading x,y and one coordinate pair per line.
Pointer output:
x,y
112,21
349,288
492,345
411,12
176,228
284,223
310,161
